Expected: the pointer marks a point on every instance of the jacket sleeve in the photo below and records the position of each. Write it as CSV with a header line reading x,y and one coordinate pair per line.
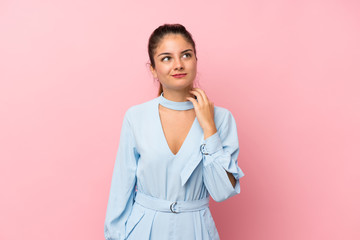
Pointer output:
x,y
123,182
219,153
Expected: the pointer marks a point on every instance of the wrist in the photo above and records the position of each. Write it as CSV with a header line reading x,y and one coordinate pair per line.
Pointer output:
x,y
209,132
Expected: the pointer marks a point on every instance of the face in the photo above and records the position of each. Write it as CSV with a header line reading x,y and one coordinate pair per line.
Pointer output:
x,y
174,55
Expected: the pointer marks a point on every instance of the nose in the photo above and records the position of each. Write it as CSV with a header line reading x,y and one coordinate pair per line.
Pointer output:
x,y
178,64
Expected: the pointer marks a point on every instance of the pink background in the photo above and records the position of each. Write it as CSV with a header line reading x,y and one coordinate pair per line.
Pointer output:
x,y
287,70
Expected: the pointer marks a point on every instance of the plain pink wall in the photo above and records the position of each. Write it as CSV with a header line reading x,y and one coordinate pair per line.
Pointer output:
x,y
287,70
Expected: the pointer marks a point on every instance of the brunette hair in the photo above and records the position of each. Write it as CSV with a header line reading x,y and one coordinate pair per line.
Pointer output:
x,y
158,34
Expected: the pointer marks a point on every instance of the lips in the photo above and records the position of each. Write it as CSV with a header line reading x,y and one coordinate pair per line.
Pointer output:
x,y
179,75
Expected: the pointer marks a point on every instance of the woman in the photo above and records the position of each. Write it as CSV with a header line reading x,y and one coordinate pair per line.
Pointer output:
x,y
175,150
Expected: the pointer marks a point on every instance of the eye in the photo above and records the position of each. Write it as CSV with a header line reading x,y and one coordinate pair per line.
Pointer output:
x,y
187,54
167,57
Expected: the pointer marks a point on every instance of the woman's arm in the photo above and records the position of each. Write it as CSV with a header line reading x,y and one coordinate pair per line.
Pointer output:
x,y
232,179
219,149
122,188
219,157
210,132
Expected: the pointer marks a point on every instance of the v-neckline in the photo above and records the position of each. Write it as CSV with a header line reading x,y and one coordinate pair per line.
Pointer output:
x,y
164,137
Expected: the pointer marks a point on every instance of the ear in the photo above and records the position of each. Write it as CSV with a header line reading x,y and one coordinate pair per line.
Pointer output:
x,y
153,71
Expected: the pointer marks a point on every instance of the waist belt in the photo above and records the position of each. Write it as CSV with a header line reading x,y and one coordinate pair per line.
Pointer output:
x,y
169,206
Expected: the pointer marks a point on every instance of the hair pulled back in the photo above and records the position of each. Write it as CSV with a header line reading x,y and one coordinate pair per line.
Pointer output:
x,y
159,33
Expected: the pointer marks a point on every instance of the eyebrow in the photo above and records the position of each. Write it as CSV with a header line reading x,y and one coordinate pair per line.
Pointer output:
x,y
166,53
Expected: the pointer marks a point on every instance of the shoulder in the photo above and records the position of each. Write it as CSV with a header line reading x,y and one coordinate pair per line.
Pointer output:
x,y
226,126
224,121
222,114
140,110
221,111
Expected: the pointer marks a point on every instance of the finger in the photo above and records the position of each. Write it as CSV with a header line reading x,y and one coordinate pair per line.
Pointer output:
x,y
212,109
198,96
195,103
203,94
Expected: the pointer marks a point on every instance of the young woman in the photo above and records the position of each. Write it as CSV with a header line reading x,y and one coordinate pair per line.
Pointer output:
x,y
175,150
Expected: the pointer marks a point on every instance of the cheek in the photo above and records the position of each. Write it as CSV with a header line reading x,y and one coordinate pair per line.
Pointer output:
x,y
192,66
164,69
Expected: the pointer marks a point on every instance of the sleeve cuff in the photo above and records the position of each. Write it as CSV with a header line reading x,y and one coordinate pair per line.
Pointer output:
x,y
211,144
212,148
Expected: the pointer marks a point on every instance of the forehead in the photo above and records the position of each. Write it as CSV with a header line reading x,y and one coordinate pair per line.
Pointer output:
x,y
173,43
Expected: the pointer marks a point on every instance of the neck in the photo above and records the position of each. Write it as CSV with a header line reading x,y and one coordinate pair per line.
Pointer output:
x,y
177,95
